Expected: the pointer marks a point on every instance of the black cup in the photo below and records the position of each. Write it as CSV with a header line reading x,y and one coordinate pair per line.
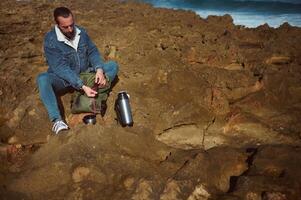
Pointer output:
x,y
89,119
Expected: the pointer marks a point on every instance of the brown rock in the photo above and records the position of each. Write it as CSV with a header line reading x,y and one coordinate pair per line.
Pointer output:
x,y
196,91
274,196
218,101
42,180
295,92
279,60
253,196
80,173
16,118
128,183
248,130
75,119
110,52
200,193
32,112
171,191
162,76
241,92
13,140
215,169
193,56
184,137
143,190
234,66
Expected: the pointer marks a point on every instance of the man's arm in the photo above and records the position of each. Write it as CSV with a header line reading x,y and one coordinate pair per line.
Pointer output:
x,y
58,64
96,62
95,58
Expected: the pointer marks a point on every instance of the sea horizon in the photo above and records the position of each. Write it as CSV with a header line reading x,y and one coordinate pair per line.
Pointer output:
x,y
249,13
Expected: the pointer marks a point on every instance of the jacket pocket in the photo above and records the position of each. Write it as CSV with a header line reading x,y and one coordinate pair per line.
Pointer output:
x,y
70,58
83,51
83,56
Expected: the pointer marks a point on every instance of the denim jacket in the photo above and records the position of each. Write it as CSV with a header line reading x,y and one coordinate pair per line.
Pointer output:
x,y
66,62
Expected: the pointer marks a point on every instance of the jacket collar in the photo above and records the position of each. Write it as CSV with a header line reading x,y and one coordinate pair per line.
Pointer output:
x,y
62,38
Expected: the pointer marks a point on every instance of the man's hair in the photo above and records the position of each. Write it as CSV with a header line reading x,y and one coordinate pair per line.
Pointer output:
x,y
61,12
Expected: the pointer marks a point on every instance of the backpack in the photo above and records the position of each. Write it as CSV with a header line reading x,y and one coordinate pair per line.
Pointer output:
x,y
81,103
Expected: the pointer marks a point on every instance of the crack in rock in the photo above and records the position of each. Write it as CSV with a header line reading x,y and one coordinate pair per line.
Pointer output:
x,y
206,129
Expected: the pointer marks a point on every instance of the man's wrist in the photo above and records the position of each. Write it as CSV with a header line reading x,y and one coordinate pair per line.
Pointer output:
x,y
99,70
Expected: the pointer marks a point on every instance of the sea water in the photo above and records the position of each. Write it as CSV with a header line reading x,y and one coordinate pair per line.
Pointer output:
x,y
250,13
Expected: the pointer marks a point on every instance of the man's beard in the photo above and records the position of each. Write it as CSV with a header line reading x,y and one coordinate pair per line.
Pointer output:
x,y
70,35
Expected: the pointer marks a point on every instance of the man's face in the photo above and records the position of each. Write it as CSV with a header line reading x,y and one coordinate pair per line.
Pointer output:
x,y
66,25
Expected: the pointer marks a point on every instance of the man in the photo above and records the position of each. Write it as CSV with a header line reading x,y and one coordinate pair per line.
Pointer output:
x,y
69,51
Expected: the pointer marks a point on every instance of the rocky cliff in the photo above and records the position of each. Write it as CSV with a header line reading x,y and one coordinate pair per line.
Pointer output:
x,y
216,108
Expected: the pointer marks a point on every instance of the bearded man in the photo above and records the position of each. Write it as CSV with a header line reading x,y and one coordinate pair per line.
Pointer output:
x,y
69,51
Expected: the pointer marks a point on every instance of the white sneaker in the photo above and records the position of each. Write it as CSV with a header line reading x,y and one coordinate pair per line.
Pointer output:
x,y
59,126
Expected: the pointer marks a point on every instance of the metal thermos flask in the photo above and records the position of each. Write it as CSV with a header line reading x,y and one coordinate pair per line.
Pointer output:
x,y
123,109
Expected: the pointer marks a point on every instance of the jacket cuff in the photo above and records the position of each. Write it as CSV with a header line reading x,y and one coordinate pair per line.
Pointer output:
x,y
79,84
98,67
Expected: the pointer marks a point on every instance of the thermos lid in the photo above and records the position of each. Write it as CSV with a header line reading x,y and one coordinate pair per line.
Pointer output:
x,y
123,95
122,91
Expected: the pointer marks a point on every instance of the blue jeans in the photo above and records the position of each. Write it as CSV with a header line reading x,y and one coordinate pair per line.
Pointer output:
x,y
50,85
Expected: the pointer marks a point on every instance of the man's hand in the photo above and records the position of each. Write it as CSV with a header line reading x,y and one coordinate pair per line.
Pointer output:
x,y
89,92
100,78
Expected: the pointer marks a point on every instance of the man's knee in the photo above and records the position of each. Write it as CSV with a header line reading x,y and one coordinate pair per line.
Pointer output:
x,y
111,69
113,65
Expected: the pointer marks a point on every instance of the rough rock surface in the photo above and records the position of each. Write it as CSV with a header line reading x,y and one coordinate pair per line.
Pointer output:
x,y
216,108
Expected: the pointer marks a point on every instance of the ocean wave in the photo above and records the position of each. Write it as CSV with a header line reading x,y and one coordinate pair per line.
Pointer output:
x,y
253,20
232,5
244,12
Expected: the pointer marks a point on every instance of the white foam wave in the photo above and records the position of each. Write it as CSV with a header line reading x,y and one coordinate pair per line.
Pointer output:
x,y
254,19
